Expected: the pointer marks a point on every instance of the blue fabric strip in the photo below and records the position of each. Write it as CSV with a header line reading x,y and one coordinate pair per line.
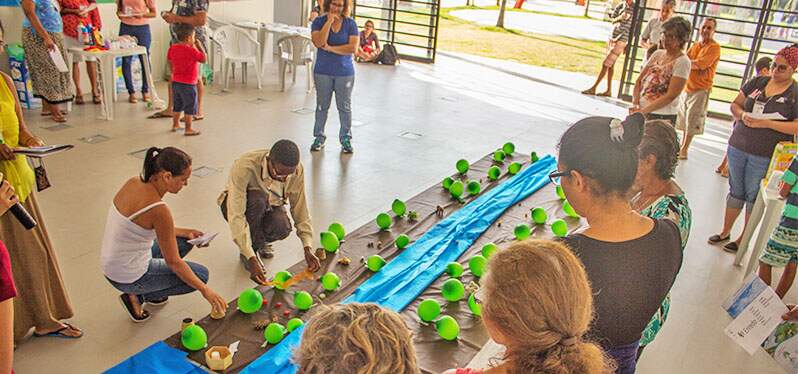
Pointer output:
x,y
411,272
157,358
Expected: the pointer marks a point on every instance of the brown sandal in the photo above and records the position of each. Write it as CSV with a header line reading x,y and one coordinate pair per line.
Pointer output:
x,y
79,100
96,99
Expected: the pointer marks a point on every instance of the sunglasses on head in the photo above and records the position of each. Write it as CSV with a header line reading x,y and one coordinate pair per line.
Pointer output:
x,y
779,67
555,176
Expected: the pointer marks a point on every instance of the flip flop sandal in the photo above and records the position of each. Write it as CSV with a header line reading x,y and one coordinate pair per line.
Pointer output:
x,y
97,99
145,315
48,114
158,302
194,119
715,239
79,100
59,119
60,332
604,94
193,133
589,92
157,115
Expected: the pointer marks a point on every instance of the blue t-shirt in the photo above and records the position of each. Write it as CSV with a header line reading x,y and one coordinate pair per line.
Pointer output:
x,y
48,14
329,63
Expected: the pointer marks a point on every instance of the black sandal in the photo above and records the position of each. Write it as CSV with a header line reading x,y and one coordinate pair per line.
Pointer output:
x,y
156,302
730,247
715,239
145,315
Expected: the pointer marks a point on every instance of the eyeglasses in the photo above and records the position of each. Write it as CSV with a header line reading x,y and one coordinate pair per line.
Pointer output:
x,y
555,176
337,5
779,67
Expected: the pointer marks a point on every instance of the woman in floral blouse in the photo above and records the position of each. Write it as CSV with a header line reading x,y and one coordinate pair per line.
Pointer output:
x,y
659,196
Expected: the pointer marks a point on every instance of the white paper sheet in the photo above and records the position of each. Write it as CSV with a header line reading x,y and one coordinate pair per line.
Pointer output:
x,y
203,240
761,315
58,60
771,116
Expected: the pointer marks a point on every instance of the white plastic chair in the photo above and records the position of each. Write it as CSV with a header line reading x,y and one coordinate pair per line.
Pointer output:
x,y
295,50
213,25
237,46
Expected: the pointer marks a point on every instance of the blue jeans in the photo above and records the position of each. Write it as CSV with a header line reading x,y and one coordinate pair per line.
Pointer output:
x,y
625,356
745,174
326,85
160,281
142,33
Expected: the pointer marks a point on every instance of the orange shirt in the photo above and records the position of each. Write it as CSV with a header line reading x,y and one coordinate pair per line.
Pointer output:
x,y
704,58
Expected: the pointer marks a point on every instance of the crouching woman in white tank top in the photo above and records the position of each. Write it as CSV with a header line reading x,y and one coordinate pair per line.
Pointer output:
x,y
142,250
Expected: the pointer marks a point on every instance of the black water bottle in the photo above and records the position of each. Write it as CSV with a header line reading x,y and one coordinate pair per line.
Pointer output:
x,y
20,213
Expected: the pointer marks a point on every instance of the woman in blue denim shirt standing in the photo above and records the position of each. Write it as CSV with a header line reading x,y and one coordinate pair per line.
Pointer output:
x,y
335,34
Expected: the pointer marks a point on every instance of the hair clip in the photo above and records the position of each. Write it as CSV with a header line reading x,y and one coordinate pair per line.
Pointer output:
x,y
616,130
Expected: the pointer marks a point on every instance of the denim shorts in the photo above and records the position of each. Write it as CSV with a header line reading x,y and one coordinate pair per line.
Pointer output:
x,y
185,98
746,172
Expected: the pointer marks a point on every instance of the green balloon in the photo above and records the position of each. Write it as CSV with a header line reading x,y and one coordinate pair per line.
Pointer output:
x,y
539,216
560,192
522,231
534,157
508,148
569,210
330,281
499,156
428,310
559,228
462,166
399,207
494,173
477,265
447,328
375,263
330,241
447,182
489,249
194,338
303,300
274,333
293,323
250,301
475,307
280,278
384,221
457,189
337,229
514,168
454,269
402,241
453,290
473,188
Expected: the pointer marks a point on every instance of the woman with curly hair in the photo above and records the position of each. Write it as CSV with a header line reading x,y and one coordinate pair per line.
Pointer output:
x,y
356,338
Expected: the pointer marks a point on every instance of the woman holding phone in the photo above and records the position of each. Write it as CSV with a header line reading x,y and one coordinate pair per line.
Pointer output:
x,y
135,16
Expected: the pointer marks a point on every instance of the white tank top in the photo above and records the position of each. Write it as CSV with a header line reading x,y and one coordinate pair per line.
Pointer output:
x,y
127,247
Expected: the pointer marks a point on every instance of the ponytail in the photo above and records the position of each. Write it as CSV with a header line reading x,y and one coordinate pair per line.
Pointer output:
x,y
168,159
580,357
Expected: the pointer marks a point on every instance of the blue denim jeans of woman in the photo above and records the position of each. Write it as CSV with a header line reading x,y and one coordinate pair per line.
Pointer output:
x,y
160,281
144,37
625,357
326,85
745,175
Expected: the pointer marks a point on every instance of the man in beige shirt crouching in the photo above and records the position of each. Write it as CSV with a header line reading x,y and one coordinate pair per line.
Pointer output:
x,y
261,183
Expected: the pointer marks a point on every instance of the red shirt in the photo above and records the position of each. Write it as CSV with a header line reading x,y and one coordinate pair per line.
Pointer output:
x,y
185,61
7,289
71,21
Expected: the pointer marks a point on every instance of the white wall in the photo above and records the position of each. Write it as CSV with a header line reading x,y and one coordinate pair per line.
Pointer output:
x,y
256,10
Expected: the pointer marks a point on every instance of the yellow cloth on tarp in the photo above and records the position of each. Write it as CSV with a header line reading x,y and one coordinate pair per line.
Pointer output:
x,y
18,172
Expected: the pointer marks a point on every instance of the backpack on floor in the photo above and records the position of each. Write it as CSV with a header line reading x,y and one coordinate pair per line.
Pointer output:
x,y
388,56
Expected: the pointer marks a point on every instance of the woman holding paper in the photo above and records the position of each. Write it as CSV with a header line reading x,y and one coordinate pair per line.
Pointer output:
x,y
42,303
142,250
135,16
765,113
45,55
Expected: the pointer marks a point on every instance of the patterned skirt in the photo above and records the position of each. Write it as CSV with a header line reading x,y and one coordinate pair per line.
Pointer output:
x,y
51,85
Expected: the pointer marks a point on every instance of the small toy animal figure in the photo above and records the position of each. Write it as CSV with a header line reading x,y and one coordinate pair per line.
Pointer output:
x,y
439,211
345,261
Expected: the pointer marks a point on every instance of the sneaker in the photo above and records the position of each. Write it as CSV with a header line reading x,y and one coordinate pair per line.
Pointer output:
x,y
266,252
317,145
346,146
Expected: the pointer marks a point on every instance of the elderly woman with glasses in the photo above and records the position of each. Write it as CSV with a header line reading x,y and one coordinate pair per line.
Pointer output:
x,y
631,260
765,113
657,90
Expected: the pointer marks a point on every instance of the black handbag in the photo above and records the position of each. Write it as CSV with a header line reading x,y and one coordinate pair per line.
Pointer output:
x,y
42,181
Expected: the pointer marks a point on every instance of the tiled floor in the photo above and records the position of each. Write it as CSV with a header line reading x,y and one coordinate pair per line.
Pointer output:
x,y
459,109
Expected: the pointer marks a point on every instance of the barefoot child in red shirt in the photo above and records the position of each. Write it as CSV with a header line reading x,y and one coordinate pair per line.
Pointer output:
x,y
185,58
